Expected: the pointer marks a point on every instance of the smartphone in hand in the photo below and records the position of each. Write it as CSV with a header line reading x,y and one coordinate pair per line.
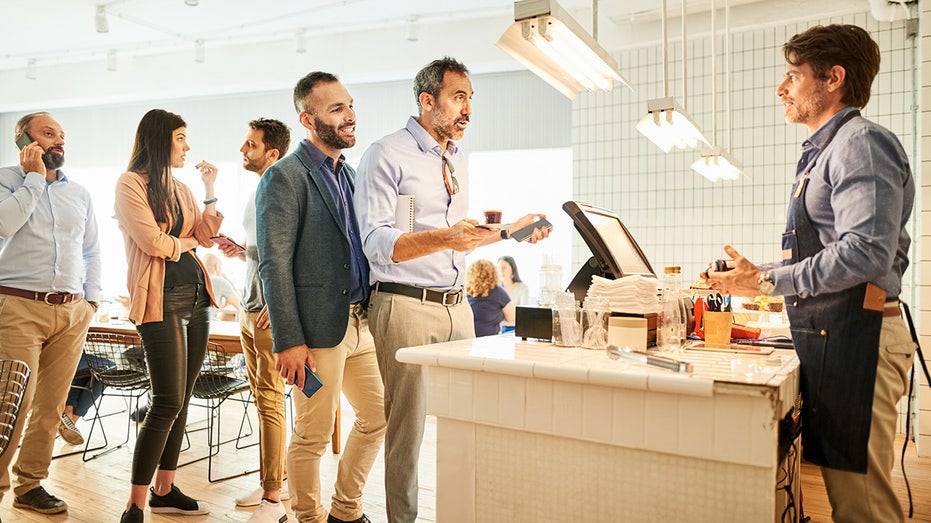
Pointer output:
x,y
311,382
526,232
24,140
223,241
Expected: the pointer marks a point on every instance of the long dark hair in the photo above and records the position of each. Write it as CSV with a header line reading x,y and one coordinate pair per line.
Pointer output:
x,y
514,274
152,156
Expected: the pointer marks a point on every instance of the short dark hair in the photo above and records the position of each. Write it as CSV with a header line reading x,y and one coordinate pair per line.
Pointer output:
x,y
430,78
275,134
849,46
306,85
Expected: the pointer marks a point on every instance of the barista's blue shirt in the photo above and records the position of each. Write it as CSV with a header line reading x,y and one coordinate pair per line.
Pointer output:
x,y
859,198
341,189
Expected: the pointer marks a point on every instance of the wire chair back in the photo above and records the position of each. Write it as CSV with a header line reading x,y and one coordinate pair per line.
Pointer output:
x,y
14,378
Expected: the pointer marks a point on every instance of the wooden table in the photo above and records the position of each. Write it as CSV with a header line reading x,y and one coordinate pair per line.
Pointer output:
x,y
226,334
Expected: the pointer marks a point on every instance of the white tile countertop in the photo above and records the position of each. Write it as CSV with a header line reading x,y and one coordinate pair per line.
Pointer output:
x,y
528,427
506,354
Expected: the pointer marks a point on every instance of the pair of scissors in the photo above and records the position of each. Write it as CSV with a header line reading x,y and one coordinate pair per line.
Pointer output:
x,y
717,303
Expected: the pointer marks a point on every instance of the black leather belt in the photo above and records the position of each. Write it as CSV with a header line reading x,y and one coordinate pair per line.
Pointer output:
x,y
51,298
446,298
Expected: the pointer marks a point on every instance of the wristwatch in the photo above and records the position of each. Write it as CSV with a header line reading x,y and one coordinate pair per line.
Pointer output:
x,y
505,234
765,284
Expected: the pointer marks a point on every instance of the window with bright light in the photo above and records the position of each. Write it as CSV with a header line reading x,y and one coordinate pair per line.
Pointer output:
x,y
519,182
233,187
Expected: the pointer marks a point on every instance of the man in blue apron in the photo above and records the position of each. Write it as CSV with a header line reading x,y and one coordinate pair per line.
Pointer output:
x,y
845,249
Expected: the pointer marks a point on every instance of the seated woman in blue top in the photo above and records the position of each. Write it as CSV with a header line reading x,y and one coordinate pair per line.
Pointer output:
x,y
490,303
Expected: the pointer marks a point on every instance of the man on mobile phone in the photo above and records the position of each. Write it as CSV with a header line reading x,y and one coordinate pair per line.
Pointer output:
x,y
265,142
315,278
418,277
49,289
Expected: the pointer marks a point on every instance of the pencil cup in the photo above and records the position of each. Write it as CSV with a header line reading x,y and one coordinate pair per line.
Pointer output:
x,y
718,328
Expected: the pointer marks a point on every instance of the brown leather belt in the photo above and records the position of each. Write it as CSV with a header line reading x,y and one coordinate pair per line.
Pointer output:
x,y
892,310
51,298
445,298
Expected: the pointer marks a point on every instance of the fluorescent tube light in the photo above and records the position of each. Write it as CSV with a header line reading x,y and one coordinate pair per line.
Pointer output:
x,y
557,49
717,164
667,125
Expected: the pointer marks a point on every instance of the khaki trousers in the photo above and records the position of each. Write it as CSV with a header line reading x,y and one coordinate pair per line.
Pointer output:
x,y
349,367
397,322
869,497
50,339
268,395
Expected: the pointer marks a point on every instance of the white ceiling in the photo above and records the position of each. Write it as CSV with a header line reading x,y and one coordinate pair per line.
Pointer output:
x,y
251,45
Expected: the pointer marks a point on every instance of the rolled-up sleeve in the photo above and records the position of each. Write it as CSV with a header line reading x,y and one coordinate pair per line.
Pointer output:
x,y
375,201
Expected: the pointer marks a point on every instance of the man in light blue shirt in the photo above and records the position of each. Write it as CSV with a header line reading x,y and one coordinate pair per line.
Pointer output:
x,y
418,276
49,288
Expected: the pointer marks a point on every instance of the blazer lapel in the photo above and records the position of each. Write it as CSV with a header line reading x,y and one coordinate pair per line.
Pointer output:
x,y
316,177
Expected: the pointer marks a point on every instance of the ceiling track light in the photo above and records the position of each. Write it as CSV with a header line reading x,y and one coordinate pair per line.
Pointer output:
x,y
31,69
667,124
200,53
549,42
111,60
100,20
413,28
300,41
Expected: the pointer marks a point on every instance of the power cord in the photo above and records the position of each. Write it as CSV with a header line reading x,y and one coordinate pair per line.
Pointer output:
x,y
911,386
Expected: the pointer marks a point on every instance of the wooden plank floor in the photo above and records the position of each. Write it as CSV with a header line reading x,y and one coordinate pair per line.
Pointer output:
x,y
815,499
96,491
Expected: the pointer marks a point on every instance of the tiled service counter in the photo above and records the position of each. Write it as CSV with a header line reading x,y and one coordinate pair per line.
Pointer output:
x,y
531,432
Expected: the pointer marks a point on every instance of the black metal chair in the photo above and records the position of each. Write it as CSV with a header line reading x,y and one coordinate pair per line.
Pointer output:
x,y
116,361
14,377
219,381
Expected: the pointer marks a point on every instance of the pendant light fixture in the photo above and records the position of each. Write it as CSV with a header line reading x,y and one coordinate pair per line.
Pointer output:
x,y
716,163
666,123
546,39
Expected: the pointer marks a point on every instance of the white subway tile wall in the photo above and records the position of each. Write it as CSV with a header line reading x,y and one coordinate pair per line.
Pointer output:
x,y
681,218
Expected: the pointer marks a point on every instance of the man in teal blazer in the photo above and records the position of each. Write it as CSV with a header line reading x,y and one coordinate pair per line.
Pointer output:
x,y
316,283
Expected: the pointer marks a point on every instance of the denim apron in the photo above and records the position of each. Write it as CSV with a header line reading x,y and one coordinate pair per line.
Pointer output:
x,y
837,342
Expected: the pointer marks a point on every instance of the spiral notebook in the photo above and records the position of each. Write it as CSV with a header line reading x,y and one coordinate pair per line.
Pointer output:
x,y
404,213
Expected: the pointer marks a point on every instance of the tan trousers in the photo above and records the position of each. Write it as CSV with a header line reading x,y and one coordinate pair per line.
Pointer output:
x,y
268,395
869,497
349,367
397,322
50,339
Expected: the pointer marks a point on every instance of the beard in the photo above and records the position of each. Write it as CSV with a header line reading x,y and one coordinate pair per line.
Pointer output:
x,y
331,137
53,158
446,126
252,165
811,106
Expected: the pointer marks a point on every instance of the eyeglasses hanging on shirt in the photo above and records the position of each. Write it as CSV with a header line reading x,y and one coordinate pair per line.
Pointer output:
x,y
449,176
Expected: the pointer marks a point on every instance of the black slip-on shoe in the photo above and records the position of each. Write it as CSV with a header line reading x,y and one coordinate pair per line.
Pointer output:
x,y
176,502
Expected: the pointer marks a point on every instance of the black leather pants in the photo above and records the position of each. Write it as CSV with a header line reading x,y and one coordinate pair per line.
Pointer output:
x,y
174,351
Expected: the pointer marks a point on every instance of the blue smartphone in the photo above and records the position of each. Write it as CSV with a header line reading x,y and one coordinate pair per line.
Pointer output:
x,y
311,382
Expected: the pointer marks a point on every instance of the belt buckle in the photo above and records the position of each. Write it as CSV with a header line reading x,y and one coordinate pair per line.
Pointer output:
x,y
46,298
457,296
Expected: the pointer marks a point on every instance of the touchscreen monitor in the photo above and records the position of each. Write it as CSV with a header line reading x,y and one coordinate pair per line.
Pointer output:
x,y
615,251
